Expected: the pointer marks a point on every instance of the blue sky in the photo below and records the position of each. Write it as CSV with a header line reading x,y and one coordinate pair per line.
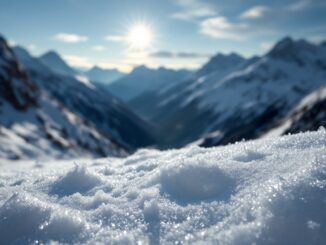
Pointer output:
x,y
184,32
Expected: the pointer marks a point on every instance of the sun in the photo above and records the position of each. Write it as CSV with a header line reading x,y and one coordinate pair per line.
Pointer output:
x,y
140,36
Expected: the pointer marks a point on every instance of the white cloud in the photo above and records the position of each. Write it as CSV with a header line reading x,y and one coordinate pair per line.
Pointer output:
x,y
299,5
266,46
221,28
70,38
317,39
98,48
78,61
255,12
113,38
164,54
124,67
192,9
31,47
12,42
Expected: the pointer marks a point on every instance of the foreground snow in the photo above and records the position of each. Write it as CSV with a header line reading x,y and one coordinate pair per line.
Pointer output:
x,y
271,191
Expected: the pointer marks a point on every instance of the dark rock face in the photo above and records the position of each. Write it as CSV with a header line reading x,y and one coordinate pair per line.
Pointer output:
x,y
310,119
15,85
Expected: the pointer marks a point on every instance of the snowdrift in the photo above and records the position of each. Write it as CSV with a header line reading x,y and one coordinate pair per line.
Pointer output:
x,y
270,191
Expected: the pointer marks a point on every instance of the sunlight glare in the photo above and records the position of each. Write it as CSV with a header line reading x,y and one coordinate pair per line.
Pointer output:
x,y
140,36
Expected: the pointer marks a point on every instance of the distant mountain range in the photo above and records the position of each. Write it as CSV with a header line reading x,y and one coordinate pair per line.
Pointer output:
x,y
241,99
143,79
48,109
103,76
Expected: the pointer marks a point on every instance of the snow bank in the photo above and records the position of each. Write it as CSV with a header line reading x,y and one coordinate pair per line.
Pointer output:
x,y
270,191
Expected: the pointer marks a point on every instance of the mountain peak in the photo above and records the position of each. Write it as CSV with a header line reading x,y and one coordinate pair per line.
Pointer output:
x,y
141,69
287,48
284,43
21,52
221,62
103,75
51,55
54,61
96,68
100,69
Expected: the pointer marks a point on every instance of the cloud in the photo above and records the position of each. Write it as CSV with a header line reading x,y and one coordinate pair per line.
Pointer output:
x,y
31,47
98,48
116,65
77,61
266,46
113,38
221,28
12,42
192,9
317,39
70,38
176,55
299,5
255,12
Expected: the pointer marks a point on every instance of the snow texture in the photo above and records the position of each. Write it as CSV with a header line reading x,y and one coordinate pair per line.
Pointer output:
x,y
269,191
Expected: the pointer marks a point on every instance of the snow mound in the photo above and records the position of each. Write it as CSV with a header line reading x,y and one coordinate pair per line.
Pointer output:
x,y
249,155
78,179
194,182
25,218
269,191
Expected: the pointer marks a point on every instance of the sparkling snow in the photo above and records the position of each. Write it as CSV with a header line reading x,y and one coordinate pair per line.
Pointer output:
x,y
270,191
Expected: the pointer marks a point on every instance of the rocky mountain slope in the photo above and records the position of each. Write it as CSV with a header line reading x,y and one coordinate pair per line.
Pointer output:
x,y
34,124
308,115
105,112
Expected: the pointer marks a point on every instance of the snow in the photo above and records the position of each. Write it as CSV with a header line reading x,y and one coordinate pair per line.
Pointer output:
x,y
269,191
84,80
306,103
33,134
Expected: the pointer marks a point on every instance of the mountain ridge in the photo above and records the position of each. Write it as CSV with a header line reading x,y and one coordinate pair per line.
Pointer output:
x,y
54,61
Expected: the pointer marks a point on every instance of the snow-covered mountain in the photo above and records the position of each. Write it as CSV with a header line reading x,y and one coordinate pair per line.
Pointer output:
x,y
34,125
150,104
143,79
34,64
228,99
269,191
53,61
220,63
100,108
104,76
244,102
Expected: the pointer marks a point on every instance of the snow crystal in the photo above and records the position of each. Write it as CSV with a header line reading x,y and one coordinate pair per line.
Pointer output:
x,y
269,191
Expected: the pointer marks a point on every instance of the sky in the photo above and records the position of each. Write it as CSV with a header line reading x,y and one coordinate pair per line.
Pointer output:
x,y
172,33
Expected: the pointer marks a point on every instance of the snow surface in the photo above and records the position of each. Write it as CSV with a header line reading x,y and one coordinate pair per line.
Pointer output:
x,y
269,191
